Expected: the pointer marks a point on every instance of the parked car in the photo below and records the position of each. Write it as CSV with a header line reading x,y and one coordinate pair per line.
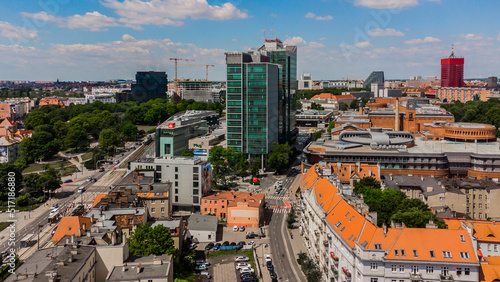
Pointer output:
x,y
226,243
55,206
205,273
242,228
241,258
217,246
240,244
235,228
243,265
247,270
232,244
93,180
193,246
209,246
269,264
68,181
200,267
268,258
273,275
101,169
270,268
202,262
251,243
89,179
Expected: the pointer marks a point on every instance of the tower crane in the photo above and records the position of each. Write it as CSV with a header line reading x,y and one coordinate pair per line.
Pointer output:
x,y
201,65
176,82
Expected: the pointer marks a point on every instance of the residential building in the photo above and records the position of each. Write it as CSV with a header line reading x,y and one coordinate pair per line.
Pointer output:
x,y
152,268
198,90
452,71
74,101
149,85
313,118
103,98
202,228
492,82
237,208
59,263
9,148
305,82
116,229
465,94
486,233
374,77
173,135
254,114
342,238
58,101
71,225
191,179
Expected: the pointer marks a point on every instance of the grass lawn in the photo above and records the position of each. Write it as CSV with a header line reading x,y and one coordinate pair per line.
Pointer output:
x,y
70,170
87,156
185,277
39,167
4,225
146,128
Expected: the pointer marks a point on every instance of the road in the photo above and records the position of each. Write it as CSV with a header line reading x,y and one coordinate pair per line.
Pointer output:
x,y
284,259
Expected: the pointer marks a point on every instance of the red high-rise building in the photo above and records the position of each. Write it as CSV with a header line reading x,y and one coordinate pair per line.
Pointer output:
x,y
452,71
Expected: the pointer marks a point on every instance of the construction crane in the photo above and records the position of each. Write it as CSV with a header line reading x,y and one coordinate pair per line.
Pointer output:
x,y
201,65
176,82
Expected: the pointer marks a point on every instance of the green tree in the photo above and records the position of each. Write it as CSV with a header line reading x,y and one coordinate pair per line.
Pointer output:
x,y
317,134
344,107
152,241
187,153
242,165
331,126
35,119
254,166
76,138
9,173
316,106
290,220
280,158
109,139
354,104
129,130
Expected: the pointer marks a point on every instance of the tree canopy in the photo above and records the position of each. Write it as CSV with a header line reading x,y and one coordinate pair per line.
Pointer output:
x,y
476,111
280,158
149,240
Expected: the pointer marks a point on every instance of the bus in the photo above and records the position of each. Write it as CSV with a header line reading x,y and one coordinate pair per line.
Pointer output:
x,y
54,217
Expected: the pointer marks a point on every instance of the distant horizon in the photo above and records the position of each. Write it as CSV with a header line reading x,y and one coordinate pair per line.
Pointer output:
x,y
99,40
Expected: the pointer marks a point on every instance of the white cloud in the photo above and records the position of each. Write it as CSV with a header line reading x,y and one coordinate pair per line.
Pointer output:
x,y
386,4
296,40
313,44
127,38
274,15
363,44
319,18
169,12
234,39
17,32
322,38
377,32
94,21
428,39
498,36
472,36
43,17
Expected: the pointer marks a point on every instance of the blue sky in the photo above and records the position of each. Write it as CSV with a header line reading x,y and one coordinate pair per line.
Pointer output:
x,y
110,39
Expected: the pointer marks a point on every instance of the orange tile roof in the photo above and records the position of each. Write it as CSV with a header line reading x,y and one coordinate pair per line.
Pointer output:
x,y
490,271
485,231
152,194
98,199
232,197
70,225
332,96
424,240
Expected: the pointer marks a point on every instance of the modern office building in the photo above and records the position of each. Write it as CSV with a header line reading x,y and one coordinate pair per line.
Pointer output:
x,y
172,136
452,71
253,109
149,85
286,57
191,179
492,82
305,82
374,77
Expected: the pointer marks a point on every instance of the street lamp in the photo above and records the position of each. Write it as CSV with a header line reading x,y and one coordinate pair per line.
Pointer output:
x,y
38,242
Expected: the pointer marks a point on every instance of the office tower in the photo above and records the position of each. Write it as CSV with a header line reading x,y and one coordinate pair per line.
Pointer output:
x,y
286,56
253,90
492,82
149,85
452,71
375,77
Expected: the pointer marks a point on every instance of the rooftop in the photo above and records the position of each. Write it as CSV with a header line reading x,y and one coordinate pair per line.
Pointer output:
x,y
203,222
142,269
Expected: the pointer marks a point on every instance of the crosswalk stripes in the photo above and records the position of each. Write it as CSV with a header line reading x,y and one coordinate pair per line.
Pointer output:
x,y
280,210
277,198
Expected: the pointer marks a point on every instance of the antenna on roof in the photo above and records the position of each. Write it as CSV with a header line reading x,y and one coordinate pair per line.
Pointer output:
x,y
452,52
265,28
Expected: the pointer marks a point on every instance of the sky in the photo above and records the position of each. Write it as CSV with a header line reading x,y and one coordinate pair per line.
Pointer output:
x,y
73,40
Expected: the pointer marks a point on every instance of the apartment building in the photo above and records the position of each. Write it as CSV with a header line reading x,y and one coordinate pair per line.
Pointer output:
x,y
348,246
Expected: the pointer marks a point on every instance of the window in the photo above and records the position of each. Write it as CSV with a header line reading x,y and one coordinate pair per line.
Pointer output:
x,y
176,185
162,210
446,254
464,255
158,168
495,247
195,176
195,169
480,197
432,254
414,269
445,270
401,268
480,206
429,269
403,252
162,201
374,266
176,176
195,191
195,184
462,238
467,271
394,268
153,202
176,169
342,229
153,210
459,271
373,279
378,246
396,253
130,221
346,214
415,253
177,191
195,199
176,198
337,225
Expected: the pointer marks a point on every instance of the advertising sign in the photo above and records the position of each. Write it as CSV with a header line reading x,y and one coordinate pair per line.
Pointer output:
x,y
206,178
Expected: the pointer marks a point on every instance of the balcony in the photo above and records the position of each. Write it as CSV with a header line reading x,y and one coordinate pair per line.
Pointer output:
x,y
325,243
347,274
334,271
446,277
415,277
335,259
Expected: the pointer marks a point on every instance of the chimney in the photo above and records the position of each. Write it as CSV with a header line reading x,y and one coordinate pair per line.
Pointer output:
x,y
360,110
113,239
84,227
67,241
79,232
422,178
70,259
73,239
396,118
139,268
385,228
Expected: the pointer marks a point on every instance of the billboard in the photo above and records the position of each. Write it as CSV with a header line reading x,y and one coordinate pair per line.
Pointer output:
x,y
206,178
200,152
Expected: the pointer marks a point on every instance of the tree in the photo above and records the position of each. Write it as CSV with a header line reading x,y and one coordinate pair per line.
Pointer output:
x,y
331,126
254,166
76,138
152,241
344,107
129,130
242,165
317,134
187,153
9,173
109,139
35,119
290,220
354,104
316,106
280,158
221,170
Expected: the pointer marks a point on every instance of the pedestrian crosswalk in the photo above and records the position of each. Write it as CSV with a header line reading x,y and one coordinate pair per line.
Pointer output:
x,y
280,210
277,198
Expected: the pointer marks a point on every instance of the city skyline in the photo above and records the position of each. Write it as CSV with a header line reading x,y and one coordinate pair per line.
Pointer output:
x,y
336,39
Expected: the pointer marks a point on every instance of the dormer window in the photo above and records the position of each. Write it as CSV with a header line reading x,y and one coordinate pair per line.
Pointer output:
x,y
378,246
432,254
462,238
346,214
396,252
464,255
447,254
403,253
337,225
415,253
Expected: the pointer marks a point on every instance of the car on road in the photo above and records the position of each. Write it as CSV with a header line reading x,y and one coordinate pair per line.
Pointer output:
x,y
89,179
93,180
205,273
273,275
235,228
241,258
202,262
241,244
280,184
117,161
209,246
242,228
278,191
55,206
243,265
53,211
101,169
268,258
114,167
68,181
217,246
81,189
200,267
